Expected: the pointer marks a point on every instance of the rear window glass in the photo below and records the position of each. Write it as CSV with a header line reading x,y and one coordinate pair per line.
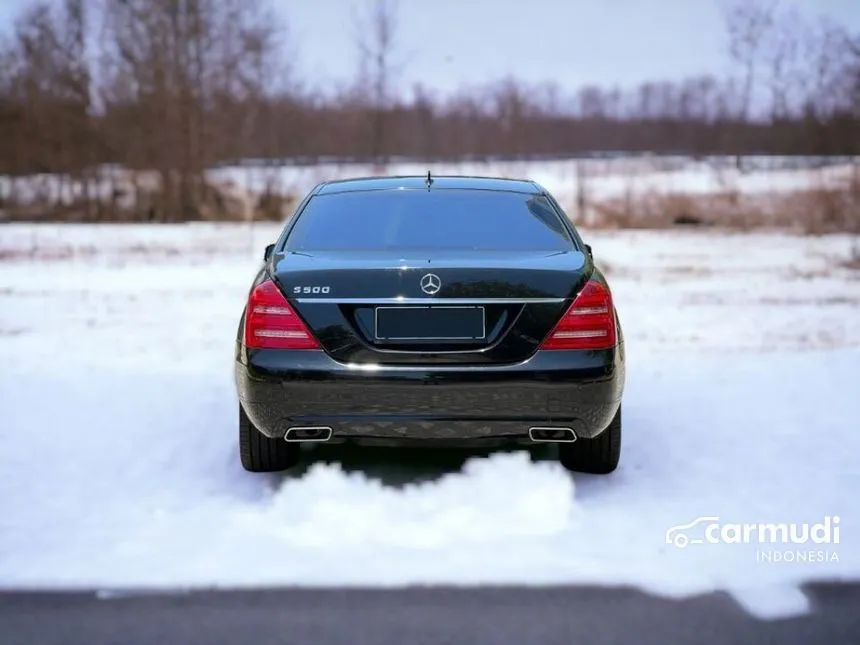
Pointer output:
x,y
421,219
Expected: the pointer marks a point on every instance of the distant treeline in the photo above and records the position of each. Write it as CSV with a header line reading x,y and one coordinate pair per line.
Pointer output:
x,y
51,137
177,86
46,134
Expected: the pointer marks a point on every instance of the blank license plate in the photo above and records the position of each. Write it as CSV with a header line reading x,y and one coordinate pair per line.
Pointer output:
x,y
430,323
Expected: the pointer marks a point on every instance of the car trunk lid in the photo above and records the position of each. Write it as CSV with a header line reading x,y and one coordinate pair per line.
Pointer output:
x,y
439,307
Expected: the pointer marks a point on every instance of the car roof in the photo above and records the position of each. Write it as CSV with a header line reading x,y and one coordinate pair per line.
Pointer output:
x,y
443,182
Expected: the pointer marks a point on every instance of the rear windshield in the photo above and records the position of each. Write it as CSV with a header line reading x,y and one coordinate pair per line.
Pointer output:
x,y
421,219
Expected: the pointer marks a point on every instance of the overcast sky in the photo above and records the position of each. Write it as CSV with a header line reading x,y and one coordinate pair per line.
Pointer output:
x,y
448,43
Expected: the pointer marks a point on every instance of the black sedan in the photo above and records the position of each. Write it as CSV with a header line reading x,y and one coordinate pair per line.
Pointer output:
x,y
430,311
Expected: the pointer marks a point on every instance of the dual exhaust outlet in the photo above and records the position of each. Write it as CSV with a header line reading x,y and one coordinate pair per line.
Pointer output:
x,y
540,434
552,435
308,434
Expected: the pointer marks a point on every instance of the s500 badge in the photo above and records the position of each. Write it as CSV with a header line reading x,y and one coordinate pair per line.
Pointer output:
x,y
319,289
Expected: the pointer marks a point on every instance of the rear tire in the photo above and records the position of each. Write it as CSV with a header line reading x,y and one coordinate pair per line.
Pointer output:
x,y
598,456
262,454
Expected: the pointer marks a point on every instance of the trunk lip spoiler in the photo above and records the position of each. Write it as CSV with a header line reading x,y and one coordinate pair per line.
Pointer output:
x,y
428,301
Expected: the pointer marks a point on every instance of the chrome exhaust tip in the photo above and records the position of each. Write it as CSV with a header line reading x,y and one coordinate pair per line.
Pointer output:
x,y
308,433
552,435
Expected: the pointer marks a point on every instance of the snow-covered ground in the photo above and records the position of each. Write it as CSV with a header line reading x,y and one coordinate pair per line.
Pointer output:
x,y
763,181
605,178
119,465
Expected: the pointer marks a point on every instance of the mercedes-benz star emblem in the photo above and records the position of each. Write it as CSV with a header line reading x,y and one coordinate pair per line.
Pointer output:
x,y
430,284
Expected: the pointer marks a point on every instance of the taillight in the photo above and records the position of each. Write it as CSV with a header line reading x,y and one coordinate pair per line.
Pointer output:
x,y
271,323
589,323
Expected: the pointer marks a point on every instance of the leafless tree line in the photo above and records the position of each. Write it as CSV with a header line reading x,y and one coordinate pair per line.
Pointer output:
x,y
177,86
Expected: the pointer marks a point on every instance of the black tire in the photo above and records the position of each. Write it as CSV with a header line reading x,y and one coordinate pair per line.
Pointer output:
x,y
261,454
598,456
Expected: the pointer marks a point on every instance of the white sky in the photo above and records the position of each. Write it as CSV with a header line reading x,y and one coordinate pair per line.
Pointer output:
x,y
447,43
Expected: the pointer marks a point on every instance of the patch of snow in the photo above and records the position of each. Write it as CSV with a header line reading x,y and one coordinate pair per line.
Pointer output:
x,y
119,464
774,603
604,178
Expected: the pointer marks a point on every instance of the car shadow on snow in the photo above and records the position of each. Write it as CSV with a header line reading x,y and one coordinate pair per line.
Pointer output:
x,y
402,466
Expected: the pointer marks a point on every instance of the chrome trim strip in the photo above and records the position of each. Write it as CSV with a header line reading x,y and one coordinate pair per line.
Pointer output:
x,y
430,301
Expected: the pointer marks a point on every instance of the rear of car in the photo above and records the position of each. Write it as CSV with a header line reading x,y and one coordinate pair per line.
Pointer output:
x,y
402,311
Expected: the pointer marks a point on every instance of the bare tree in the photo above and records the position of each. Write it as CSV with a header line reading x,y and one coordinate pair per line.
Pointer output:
x,y
786,60
830,77
423,133
47,97
512,110
171,61
748,24
376,38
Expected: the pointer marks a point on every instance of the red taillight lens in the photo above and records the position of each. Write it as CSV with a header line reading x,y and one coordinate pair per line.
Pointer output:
x,y
589,323
271,323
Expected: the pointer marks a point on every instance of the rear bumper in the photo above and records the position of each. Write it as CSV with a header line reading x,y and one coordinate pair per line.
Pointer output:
x,y
578,389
